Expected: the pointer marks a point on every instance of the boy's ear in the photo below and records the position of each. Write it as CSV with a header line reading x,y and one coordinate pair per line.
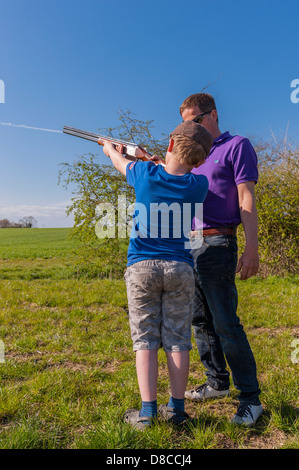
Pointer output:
x,y
170,146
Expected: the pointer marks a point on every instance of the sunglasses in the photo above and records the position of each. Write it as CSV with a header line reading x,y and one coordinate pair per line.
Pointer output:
x,y
201,117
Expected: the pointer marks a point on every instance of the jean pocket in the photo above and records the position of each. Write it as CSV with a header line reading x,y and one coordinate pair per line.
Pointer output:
x,y
217,240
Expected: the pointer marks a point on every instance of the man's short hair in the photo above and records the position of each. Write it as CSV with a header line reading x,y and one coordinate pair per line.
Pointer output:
x,y
204,101
186,150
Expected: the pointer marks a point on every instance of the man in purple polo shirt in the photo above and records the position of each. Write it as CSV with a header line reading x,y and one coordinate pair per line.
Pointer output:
x,y
231,169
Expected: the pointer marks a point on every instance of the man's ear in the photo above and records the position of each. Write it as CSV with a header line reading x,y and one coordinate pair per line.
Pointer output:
x,y
214,114
170,146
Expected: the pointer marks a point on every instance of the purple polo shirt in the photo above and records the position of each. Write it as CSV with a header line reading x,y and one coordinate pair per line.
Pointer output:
x,y
232,161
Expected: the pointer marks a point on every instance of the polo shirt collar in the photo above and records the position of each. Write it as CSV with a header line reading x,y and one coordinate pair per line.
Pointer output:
x,y
224,136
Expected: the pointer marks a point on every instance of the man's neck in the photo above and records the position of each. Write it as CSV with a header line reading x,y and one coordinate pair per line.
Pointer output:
x,y
216,133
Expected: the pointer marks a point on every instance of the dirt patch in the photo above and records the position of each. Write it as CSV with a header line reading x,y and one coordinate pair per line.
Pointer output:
x,y
274,440
273,332
54,361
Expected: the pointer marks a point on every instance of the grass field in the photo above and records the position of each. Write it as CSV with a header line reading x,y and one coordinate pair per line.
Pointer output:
x,y
69,374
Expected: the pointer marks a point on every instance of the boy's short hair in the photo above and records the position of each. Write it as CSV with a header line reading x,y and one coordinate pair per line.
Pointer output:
x,y
186,150
192,143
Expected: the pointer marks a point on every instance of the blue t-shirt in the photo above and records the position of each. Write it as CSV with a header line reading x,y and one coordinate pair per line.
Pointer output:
x,y
163,212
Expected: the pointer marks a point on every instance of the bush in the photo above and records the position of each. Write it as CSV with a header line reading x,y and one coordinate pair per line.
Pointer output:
x,y
277,200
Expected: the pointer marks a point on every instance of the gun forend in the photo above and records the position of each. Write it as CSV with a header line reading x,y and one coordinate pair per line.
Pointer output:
x,y
129,148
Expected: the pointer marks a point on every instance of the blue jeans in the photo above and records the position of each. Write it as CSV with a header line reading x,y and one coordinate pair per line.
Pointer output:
x,y
218,332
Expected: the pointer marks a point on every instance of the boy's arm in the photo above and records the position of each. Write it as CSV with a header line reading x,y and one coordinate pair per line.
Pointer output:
x,y
118,160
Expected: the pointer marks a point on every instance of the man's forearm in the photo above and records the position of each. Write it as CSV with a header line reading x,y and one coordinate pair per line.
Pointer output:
x,y
249,261
249,216
250,224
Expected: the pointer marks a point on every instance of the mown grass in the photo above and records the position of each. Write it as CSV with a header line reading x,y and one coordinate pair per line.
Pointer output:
x,y
69,371
24,243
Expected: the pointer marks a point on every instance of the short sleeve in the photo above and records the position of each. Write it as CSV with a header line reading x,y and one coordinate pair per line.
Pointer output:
x,y
136,171
244,162
131,173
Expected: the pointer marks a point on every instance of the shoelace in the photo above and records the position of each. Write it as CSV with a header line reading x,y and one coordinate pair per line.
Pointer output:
x,y
244,411
200,388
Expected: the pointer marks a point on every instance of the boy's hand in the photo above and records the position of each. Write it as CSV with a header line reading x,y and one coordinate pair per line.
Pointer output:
x,y
156,159
152,158
108,147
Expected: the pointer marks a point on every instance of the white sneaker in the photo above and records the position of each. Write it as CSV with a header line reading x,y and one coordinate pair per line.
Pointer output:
x,y
205,391
247,414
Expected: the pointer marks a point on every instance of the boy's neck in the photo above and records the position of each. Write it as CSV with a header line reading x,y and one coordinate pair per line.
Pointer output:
x,y
173,167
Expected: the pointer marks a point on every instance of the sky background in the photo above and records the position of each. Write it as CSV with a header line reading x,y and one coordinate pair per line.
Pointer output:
x,y
78,62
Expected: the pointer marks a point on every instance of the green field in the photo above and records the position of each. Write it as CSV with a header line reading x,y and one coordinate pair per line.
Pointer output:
x,y
24,243
69,374
37,253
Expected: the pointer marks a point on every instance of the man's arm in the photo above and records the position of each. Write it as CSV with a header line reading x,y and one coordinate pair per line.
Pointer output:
x,y
118,160
249,261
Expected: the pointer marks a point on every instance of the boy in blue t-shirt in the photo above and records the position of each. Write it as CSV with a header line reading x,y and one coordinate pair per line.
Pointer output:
x,y
159,275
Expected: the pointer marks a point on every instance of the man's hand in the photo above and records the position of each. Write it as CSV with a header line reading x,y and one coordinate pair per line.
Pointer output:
x,y
248,264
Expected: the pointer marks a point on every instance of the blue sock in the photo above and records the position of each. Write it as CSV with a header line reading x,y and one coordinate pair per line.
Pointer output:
x,y
149,408
177,403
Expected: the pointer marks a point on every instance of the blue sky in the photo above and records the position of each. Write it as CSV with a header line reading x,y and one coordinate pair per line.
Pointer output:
x,y
77,63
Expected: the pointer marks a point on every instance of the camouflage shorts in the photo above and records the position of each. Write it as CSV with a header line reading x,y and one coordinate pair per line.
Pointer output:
x,y
160,295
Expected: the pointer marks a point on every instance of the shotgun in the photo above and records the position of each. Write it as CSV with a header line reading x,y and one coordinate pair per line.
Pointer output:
x,y
130,149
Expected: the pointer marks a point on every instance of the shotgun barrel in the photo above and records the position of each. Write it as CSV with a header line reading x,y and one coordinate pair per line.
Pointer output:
x,y
82,134
129,148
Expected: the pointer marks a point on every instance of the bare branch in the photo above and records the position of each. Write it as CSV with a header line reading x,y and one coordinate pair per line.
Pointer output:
x,y
212,83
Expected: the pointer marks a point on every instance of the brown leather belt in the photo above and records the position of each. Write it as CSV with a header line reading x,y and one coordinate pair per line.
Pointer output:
x,y
219,231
